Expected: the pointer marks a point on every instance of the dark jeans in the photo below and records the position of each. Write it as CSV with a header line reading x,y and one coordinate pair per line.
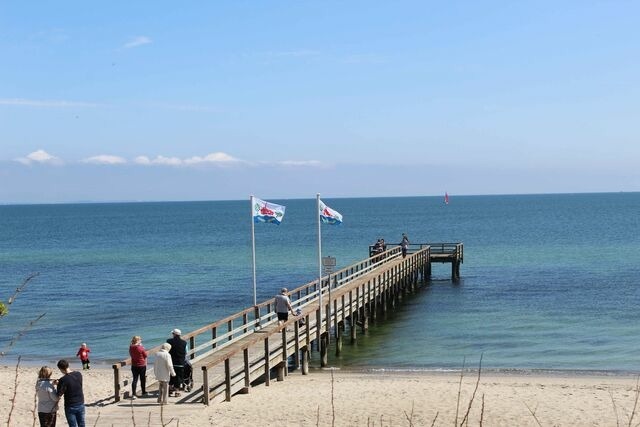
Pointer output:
x,y
176,382
139,372
47,419
75,415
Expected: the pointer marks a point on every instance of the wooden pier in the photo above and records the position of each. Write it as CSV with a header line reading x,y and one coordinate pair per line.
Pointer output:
x,y
234,354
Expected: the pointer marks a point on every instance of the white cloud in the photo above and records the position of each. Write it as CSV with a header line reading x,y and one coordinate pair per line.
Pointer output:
x,y
39,156
214,158
105,159
218,158
137,41
48,103
159,160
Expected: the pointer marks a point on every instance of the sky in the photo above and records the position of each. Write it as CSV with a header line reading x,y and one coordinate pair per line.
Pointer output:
x,y
157,100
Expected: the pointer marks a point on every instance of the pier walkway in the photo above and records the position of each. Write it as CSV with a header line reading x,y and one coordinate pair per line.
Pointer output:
x,y
248,348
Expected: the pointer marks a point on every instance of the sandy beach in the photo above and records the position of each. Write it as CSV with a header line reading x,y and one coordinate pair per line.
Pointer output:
x,y
348,398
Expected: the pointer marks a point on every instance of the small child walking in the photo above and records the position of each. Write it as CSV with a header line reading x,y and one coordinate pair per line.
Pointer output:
x,y
83,354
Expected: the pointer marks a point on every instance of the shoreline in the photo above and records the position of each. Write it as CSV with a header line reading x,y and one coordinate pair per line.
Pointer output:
x,y
8,362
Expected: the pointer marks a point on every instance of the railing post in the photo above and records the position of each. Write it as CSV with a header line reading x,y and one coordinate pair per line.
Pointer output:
x,y
256,315
282,369
229,329
296,341
267,362
227,380
116,382
192,346
214,335
247,373
205,386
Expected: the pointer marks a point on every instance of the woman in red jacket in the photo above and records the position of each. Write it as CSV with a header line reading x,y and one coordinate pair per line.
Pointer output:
x,y
138,365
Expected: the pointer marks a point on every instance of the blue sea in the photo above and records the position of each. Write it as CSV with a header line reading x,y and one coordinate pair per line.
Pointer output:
x,y
549,282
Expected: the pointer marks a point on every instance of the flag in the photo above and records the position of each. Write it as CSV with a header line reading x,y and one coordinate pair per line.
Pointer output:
x,y
266,212
328,215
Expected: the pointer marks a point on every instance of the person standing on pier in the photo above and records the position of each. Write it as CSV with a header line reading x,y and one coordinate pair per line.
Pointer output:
x,y
178,354
404,244
283,306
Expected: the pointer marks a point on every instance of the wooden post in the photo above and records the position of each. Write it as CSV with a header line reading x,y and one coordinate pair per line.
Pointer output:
x,y
227,380
192,346
214,335
296,354
335,317
374,299
205,386
247,373
116,382
230,328
307,332
365,319
318,328
267,363
281,371
256,315
338,341
305,360
324,350
284,351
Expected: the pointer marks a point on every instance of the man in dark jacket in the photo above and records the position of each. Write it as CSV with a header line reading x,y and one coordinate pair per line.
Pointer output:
x,y
70,386
178,354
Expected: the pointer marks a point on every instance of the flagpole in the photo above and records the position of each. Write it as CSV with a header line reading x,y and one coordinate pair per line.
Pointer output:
x,y
319,259
253,251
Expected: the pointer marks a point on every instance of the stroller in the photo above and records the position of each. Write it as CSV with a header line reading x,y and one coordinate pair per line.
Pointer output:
x,y
187,377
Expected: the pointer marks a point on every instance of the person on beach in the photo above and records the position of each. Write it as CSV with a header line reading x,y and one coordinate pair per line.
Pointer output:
x,y
47,398
163,370
178,354
70,386
83,354
283,306
138,365
404,244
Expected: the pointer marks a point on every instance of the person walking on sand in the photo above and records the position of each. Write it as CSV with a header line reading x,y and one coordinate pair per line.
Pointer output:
x,y
404,244
178,354
47,398
70,386
163,370
83,354
283,306
138,365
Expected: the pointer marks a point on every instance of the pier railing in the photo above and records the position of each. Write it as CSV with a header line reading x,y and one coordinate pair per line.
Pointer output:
x,y
205,341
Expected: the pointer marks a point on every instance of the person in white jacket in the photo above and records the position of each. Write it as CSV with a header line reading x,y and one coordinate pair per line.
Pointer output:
x,y
47,398
163,370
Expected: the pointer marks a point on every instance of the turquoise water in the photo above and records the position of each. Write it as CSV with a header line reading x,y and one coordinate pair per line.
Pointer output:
x,y
548,282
